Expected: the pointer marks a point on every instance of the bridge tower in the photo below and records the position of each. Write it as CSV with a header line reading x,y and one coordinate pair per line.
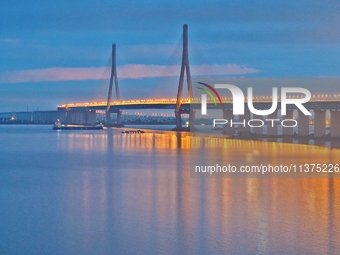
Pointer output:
x,y
184,68
109,96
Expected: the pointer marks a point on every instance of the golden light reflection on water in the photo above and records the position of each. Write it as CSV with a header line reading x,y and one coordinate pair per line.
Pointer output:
x,y
103,141
154,201
206,151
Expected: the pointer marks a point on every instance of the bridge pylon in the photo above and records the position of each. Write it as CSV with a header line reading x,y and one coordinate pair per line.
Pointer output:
x,y
185,68
114,78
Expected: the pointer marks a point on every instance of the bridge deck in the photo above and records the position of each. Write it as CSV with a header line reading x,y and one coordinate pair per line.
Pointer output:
x,y
195,103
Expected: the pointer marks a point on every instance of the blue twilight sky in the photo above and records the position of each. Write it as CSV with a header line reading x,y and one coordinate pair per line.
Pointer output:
x,y
55,52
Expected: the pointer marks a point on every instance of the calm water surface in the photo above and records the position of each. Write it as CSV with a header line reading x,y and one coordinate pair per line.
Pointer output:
x,y
103,192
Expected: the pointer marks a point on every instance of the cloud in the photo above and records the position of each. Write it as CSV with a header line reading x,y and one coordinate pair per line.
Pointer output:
x,y
131,71
51,74
9,40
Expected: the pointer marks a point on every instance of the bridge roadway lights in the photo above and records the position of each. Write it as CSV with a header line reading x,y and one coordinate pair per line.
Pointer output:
x,y
303,124
335,123
288,130
319,123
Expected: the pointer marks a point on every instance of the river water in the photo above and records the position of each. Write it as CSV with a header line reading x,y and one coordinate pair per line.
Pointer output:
x,y
104,192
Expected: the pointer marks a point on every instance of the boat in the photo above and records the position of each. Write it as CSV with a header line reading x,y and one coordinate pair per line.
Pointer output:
x,y
133,131
77,127
58,126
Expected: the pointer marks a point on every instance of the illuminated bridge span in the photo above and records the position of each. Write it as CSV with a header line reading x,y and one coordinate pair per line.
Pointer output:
x,y
320,105
319,101
324,98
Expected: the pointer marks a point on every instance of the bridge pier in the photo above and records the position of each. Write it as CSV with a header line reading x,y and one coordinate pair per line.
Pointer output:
x,y
272,125
178,117
80,117
335,123
192,116
119,116
109,120
178,120
244,129
319,123
228,115
258,130
288,130
303,124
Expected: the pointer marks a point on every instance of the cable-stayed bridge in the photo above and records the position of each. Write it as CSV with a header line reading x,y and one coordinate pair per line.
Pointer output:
x,y
320,104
